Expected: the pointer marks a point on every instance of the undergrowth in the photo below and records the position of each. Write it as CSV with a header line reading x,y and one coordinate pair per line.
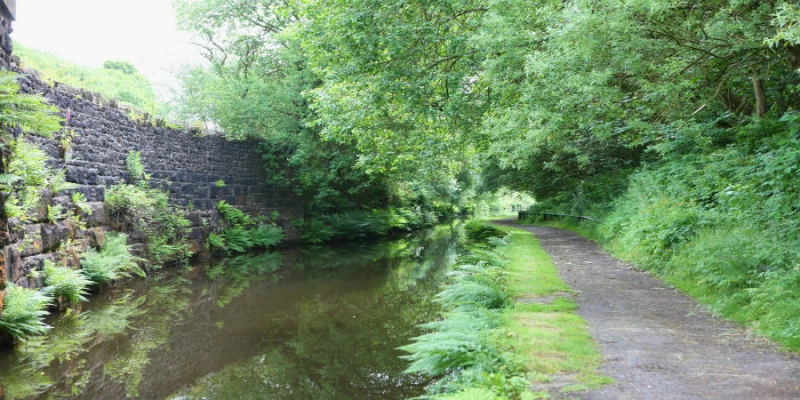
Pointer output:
x,y
463,351
242,232
139,208
61,281
24,312
113,261
362,224
490,346
720,225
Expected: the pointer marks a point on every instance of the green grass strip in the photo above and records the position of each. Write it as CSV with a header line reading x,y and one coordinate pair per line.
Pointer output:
x,y
543,327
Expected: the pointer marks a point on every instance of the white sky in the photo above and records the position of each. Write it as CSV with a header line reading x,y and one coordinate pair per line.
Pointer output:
x,y
89,32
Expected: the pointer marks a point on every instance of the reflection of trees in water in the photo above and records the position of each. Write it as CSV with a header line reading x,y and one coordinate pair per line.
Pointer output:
x,y
334,347
370,298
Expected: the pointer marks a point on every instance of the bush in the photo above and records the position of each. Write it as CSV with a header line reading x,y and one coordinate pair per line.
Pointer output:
x,y
137,208
362,224
722,226
266,235
479,231
65,282
240,234
24,312
113,261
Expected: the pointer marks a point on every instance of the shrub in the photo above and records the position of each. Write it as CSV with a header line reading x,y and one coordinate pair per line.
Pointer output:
x,y
148,211
24,312
266,235
240,235
65,282
479,231
233,215
113,261
133,163
461,351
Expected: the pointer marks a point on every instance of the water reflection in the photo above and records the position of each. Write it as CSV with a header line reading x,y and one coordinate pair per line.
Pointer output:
x,y
320,322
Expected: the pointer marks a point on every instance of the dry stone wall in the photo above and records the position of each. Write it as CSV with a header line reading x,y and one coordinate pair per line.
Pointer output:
x,y
186,162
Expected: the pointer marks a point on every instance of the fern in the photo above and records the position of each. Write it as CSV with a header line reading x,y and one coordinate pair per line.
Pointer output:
x,y
65,282
233,215
266,235
113,261
24,312
237,239
466,295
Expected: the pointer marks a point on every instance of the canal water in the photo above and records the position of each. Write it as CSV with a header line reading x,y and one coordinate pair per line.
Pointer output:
x,y
307,323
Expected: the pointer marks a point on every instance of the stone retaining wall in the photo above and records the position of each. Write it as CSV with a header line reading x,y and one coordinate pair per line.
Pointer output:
x,y
186,162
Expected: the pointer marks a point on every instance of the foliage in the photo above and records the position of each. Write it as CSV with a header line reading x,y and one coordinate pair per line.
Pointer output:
x,y
116,80
461,350
241,232
29,174
22,167
24,312
57,182
480,231
255,83
123,66
142,209
676,121
133,163
31,113
55,213
113,261
61,281
79,200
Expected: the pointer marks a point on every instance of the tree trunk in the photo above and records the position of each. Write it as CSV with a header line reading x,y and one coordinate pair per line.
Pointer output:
x,y
761,100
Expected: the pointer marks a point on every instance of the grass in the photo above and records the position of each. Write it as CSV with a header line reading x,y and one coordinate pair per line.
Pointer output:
x,y
490,344
551,338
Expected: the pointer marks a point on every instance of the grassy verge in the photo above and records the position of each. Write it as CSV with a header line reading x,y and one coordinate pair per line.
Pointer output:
x,y
501,337
551,338
739,273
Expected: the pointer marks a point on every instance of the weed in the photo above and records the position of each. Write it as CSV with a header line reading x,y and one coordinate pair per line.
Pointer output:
x,y
241,233
133,163
55,213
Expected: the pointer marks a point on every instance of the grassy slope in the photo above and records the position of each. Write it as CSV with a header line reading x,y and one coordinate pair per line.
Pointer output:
x,y
552,339
132,88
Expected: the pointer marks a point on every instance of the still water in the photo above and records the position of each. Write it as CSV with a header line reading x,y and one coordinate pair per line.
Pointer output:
x,y
309,323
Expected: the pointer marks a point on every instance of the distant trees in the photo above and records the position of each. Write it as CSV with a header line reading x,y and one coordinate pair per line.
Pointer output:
x,y
123,66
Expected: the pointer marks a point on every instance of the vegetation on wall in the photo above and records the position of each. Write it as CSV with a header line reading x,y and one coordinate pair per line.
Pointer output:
x,y
137,207
22,169
241,232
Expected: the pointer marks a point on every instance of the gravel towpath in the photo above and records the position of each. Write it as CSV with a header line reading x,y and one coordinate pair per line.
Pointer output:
x,y
658,343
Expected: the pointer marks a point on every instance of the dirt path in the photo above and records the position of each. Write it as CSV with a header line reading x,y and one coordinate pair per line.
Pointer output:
x,y
659,343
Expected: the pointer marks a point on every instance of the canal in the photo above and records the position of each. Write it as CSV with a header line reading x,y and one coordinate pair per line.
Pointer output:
x,y
303,323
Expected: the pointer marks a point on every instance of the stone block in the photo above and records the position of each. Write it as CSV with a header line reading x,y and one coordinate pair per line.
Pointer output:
x,y
53,235
36,263
45,200
97,216
32,240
